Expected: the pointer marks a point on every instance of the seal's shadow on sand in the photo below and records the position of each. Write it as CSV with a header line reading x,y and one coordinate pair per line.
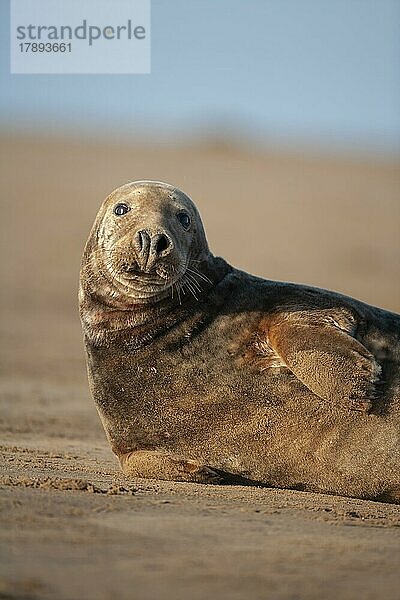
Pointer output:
x,y
230,479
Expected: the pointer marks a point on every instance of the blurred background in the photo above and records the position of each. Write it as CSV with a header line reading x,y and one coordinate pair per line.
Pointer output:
x,y
280,118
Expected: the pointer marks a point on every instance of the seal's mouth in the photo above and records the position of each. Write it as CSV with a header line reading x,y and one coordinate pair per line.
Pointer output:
x,y
134,269
156,273
179,279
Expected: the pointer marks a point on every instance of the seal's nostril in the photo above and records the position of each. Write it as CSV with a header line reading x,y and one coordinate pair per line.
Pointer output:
x,y
140,240
162,243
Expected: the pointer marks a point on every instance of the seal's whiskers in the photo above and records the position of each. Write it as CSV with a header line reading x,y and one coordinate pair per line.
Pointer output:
x,y
201,275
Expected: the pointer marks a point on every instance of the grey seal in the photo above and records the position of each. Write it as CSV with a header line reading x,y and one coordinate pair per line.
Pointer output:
x,y
201,372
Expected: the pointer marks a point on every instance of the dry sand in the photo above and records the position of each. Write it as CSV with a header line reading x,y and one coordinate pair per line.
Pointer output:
x,y
71,527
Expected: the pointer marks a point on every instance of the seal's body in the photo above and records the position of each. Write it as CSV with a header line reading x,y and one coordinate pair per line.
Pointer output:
x,y
201,372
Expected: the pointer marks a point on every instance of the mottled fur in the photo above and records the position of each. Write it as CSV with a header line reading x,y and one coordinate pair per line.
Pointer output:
x,y
201,372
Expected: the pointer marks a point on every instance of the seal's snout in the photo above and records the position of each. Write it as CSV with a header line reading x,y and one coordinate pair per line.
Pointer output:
x,y
151,247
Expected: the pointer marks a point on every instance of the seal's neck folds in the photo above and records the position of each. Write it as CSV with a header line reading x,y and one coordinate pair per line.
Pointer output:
x,y
107,313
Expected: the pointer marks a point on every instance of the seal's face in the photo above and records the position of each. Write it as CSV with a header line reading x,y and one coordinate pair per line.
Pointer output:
x,y
148,239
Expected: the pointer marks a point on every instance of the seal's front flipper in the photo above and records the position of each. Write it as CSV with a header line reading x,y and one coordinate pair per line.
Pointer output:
x,y
318,347
155,464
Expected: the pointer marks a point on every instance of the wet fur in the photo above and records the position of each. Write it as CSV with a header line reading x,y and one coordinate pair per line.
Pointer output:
x,y
236,378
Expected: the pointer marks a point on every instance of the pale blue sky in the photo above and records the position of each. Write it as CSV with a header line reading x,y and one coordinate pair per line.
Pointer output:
x,y
316,71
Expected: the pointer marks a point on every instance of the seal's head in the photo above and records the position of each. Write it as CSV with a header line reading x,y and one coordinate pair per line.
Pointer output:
x,y
147,239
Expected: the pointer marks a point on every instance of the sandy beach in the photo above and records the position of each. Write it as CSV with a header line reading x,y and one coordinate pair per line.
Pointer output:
x,y
71,526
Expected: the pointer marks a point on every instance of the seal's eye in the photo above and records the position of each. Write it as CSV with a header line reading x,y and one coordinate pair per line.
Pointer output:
x,y
121,209
184,219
